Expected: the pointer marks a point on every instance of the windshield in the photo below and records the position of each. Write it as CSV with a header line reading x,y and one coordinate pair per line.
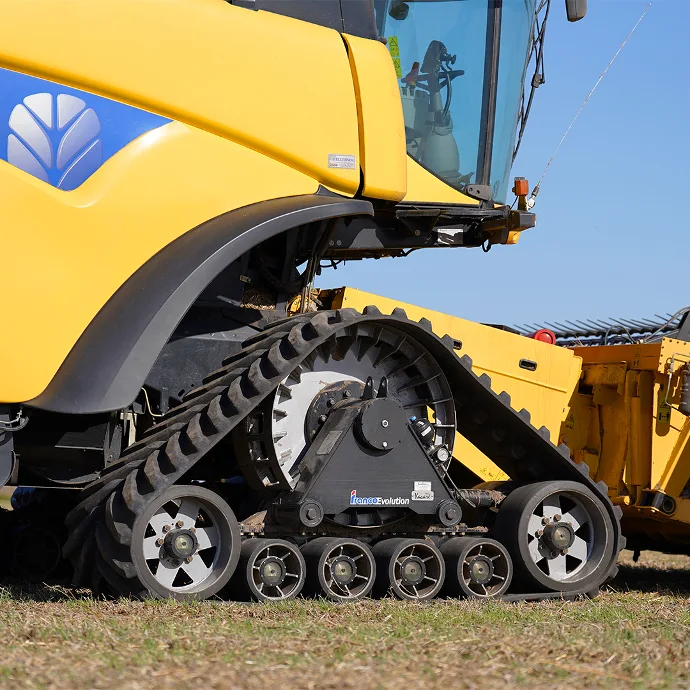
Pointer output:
x,y
461,65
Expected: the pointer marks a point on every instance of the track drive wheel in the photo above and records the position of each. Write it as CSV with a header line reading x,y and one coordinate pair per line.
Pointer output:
x,y
477,568
185,545
560,536
339,569
269,570
411,568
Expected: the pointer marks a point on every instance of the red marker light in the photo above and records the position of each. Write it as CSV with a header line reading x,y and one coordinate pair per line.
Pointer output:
x,y
545,336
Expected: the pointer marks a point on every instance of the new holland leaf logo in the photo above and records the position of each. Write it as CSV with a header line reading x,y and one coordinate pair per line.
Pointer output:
x,y
55,139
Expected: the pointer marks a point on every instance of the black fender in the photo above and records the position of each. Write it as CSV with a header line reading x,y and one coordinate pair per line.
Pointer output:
x,y
108,365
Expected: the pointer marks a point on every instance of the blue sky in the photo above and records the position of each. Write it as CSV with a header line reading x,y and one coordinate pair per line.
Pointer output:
x,y
612,220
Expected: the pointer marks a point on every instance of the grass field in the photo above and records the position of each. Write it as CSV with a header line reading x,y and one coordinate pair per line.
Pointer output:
x,y
637,634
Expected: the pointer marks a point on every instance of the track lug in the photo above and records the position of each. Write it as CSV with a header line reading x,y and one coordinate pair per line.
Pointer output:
x,y
564,451
466,362
448,342
399,313
345,315
583,467
371,311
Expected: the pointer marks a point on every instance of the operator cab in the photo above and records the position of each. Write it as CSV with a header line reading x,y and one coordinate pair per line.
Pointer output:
x,y
461,68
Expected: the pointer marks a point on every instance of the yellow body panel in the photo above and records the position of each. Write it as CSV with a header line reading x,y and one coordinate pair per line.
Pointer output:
x,y
544,392
73,250
381,124
425,187
248,76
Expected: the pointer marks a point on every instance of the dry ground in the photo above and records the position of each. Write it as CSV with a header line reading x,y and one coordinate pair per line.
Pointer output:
x,y
637,634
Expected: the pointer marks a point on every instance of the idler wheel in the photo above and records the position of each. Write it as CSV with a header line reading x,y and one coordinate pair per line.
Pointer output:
x,y
186,543
559,535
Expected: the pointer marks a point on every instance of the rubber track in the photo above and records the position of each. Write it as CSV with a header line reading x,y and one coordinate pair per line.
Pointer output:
x,y
111,505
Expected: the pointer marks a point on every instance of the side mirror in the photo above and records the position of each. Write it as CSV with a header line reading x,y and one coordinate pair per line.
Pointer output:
x,y
575,9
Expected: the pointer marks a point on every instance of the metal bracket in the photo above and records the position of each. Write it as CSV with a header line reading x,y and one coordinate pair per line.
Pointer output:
x,y
7,456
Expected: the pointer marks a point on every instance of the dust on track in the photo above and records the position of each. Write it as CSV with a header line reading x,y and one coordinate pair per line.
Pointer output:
x,y
636,634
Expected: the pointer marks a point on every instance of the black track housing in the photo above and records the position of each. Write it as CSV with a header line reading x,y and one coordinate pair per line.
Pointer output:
x,y
348,466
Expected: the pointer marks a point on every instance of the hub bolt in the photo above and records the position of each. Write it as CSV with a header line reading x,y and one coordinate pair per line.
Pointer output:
x,y
176,562
539,532
347,394
384,423
160,542
384,444
322,418
188,559
557,517
330,402
564,552
166,528
545,521
179,524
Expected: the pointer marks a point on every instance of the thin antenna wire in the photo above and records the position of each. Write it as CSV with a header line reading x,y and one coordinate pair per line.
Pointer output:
x,y
584,103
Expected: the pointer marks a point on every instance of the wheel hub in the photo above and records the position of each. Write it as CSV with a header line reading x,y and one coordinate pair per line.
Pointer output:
x,y
559,536
413,570
180,544
343,569
272,571
276,436
481,570
326,400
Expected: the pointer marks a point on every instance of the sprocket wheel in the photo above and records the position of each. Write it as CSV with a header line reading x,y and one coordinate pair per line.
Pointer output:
x,y
275,437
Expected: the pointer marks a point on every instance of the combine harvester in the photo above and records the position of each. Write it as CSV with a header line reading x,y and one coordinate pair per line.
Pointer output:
x,y
185,416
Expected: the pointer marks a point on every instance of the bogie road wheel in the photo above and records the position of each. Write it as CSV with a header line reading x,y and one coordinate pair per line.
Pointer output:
x,y
339,569
411,568
186,544
269,570
559,534
477,568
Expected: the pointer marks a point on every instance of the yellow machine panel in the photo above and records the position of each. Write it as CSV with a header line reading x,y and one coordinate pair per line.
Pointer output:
x,y
228,70
544,388
76,248
625,422
423,186
381,125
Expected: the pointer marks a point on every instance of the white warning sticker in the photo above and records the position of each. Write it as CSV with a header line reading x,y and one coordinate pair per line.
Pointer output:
x,y
339,160
422,486
422,495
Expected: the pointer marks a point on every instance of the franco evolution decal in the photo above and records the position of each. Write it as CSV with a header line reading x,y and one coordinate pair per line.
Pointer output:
x,y
356,500
60,135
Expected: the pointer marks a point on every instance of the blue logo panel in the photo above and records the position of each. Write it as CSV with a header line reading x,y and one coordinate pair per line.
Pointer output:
x,y
62,135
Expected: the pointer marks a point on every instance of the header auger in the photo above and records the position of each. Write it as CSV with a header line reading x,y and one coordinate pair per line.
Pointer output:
x,y
202,421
